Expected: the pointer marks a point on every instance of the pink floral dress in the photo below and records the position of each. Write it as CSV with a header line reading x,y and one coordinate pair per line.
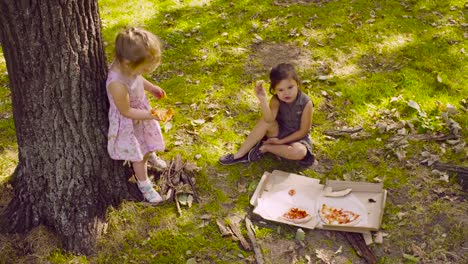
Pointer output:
x,y
130,139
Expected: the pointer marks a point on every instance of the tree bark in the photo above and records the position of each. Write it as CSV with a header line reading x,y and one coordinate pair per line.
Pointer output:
x,y
57,69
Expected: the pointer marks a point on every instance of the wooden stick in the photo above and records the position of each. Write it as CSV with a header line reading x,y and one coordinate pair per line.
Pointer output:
x,y
357,241
342,132
224,230
422,137
236,230
451,168
460,171
251,234
177,204
189,179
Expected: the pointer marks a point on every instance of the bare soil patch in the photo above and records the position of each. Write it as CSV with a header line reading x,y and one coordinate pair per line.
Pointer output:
x,y
266,56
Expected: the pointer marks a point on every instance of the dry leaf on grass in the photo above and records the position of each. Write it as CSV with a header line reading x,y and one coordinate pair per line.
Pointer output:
x,y
324,255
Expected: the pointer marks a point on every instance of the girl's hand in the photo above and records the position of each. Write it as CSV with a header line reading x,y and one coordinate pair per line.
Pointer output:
x,y
152,114
273,141
259,91
158,92
155,90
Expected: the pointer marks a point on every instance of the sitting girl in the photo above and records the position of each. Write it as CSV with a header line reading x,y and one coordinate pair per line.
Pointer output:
x,y
285,126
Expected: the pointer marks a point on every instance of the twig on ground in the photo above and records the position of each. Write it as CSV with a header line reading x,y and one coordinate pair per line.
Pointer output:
x,y
224,230
357,241
177,204
422,137
236,230
251,234
342,132
460,171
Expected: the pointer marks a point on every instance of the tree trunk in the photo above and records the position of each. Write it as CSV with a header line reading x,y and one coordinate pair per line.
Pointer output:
x,y
57,69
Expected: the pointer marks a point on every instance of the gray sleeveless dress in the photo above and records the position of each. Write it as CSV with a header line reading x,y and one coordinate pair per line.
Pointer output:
x,y
289,121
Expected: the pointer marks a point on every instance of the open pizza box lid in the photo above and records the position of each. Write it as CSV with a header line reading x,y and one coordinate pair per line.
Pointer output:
x,y
272,199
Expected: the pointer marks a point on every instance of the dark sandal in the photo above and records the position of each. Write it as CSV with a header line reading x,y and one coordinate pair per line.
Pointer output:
x,y
255,153
229,159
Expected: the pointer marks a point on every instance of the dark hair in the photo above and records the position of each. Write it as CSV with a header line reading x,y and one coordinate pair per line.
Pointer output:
x,y
282,71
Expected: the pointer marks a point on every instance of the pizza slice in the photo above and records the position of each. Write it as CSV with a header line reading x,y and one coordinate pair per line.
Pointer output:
x,y
337,216
297,216
163,115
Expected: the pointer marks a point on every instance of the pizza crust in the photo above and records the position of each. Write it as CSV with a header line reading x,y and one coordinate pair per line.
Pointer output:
x,y
298,221
328,192
293,214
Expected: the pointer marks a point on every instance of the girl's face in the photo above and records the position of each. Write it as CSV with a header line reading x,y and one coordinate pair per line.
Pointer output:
x,y
286,90
146,67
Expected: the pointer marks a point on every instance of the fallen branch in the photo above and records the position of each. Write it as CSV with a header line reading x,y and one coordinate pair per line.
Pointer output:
x,y
460,171
357,241
176,181
178,205
251,234
422,137
451,168
188,179
224,230
342,132
236,230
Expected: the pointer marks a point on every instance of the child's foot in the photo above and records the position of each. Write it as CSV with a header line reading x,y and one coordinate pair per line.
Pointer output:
x,y
255,153
229,159
150,194
157,162
308,161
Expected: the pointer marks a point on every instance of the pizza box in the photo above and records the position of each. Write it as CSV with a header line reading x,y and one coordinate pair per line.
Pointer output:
x,y
272,199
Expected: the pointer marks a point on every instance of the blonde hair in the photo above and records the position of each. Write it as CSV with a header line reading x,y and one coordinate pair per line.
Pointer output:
x,y
137,46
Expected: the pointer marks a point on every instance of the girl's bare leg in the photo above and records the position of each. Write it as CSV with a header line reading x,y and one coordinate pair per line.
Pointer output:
x,y
144,183
295,151
261,129
141,173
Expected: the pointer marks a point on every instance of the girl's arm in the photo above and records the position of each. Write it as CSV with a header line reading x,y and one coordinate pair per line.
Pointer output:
x,y
306,122
155,90
269,110
122,102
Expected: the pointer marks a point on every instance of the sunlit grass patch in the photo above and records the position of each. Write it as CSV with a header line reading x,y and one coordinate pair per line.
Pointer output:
x,y
8,162
128,13
394,43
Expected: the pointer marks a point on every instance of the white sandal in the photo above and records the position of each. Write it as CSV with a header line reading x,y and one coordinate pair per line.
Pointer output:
x,y
150,194
156,161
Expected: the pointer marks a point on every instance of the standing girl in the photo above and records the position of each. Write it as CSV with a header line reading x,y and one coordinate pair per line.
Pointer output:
x,y
134,134
285,123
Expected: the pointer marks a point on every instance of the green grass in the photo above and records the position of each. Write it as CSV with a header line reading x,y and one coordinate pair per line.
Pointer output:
x,y
375,52
8,147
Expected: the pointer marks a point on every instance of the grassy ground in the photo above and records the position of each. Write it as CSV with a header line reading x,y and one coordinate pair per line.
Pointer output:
x,y
363,63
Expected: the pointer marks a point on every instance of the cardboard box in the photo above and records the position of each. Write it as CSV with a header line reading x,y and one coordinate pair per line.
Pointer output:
x,y
271,200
